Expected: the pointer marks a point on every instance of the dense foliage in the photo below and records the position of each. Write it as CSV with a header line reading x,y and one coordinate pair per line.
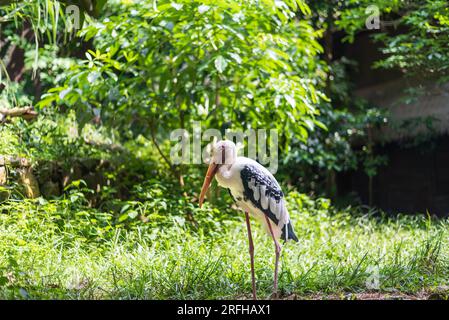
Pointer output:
x,y
421,48
159,67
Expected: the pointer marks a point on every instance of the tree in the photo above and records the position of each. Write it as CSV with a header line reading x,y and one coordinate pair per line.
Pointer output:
x,y
160,65
30,34
420,48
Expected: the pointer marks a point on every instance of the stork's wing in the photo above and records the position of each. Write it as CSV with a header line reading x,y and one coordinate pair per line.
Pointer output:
x,y
265,194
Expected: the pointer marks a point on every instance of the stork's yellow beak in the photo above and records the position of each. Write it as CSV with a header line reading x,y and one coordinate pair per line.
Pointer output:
x,y
211,171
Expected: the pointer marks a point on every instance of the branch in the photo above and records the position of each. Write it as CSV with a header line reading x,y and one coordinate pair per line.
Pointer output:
x,y
173,169
113,147
26,113
15,162
153,138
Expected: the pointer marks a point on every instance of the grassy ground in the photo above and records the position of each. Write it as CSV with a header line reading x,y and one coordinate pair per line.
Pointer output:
x,y
61,249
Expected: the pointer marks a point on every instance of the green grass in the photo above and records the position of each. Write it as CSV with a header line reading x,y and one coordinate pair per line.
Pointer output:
x,y
61,249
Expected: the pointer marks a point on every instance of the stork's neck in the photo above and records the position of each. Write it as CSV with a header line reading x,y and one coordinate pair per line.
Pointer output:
x,y
225,171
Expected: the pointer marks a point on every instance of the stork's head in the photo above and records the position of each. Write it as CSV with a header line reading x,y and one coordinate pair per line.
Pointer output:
x,y
224,152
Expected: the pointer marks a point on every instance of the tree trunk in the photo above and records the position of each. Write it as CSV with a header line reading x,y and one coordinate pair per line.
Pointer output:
x,y
3,175
29,182
331,184
328,48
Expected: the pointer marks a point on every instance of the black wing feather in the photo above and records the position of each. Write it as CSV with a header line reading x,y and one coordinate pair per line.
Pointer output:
x,y
272,190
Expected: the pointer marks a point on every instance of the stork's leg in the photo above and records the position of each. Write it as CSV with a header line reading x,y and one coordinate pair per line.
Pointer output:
x,y
251,253
277,247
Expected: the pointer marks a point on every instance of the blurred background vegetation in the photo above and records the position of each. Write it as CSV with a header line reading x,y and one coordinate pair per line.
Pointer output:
x,y
86,114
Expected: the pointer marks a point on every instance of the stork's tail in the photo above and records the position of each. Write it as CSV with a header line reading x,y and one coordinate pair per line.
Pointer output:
x,y
288,233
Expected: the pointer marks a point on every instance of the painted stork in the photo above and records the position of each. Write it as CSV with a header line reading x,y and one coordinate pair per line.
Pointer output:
x,y
255,191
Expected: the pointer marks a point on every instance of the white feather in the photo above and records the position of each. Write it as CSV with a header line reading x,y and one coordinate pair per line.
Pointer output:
x,y
228,176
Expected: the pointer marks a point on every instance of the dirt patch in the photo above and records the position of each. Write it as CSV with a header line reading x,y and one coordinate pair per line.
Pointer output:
x,y
438,293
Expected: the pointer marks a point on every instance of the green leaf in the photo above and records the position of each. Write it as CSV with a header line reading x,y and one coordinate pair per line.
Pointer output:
x,y
125,208
123,217
177,6
203,8
220,64
132,214
93,76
